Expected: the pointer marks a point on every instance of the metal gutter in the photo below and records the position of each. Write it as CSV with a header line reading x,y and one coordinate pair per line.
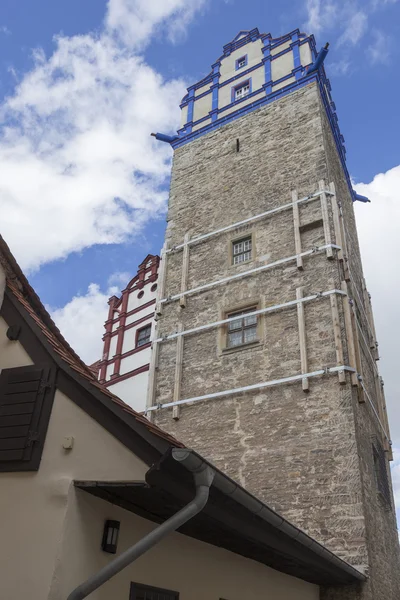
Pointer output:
x,y
192,461
203,477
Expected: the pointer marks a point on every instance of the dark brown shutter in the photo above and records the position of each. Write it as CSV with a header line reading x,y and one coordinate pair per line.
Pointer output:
x,y
22,393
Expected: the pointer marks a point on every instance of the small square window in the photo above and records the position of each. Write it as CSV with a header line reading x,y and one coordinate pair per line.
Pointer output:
x,y
241,250
242,90
143,336
243,329
241,62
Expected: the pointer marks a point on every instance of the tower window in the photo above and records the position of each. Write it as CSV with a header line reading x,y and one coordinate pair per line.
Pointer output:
x,y
241,250
241,62
143,336
242,330
381,474
242,90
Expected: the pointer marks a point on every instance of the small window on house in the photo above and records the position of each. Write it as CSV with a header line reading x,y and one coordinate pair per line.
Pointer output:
x,y
146,592
241,250
241,62
381,474
242,90
243,329
143,336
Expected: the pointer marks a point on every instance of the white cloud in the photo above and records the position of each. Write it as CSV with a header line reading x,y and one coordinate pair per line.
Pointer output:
x,y
78,164
81,321
4,29
356,27
348,23
133,21
378,229
321,15
119,280
379,50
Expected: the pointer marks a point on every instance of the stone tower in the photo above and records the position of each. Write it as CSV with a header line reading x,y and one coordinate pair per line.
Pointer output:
x,y
265,357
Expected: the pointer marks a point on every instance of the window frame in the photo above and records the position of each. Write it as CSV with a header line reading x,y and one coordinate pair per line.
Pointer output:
x,y
251,304
238,60
145,344
241,315
238,86
238,240
141,587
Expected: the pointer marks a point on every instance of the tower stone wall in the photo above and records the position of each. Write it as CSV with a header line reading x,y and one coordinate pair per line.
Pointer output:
x,y
308,454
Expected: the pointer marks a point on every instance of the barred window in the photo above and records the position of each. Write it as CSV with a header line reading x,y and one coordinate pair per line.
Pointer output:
x,y
241,62
241,250
242,330
381,474
143,336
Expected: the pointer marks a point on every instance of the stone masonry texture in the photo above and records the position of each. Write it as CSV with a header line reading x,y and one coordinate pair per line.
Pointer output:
x,y
307,455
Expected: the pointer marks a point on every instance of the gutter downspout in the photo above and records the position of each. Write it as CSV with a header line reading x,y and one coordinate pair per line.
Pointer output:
x,y
360,198
318,61
203,477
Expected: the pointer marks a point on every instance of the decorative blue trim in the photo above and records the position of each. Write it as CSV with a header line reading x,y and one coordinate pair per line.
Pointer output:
x,y
281,53
238,60
181,141
267,66
234,88
214,114
249,36
295,45
241,75
190,107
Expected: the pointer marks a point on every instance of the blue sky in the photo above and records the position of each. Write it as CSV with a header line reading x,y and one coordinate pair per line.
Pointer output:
x,y
83,187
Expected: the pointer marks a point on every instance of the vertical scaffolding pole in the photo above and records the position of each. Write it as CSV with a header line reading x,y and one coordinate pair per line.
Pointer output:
x,y
162,272
297,235
185,270
325,218
178,373
338,337
349,334
302,339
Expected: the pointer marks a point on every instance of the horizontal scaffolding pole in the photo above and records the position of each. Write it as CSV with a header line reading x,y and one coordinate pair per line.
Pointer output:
x,y
255,386
282,261
272,211
254,313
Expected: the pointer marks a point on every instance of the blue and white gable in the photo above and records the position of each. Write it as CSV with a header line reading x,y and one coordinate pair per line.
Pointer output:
x,y
253,66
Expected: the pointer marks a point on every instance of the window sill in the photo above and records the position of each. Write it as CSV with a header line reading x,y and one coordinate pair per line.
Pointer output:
x,y
249,345
244,262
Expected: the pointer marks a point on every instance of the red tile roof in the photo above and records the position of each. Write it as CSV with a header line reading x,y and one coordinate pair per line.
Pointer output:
x,y
19,286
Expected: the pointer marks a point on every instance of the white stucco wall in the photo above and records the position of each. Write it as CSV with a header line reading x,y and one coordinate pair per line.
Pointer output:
x,y
254,56
134,301
282,66
305,54
35,503
133,391
198,571
134,361
12,354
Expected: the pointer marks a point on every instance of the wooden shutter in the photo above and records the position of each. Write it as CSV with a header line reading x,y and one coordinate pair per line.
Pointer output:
x,y
22,395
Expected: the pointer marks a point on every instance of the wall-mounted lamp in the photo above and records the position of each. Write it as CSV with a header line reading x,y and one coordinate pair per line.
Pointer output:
x,y
110,536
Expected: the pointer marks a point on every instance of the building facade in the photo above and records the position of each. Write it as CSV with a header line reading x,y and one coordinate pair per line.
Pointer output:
x,y
125,362
264,358
84,478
